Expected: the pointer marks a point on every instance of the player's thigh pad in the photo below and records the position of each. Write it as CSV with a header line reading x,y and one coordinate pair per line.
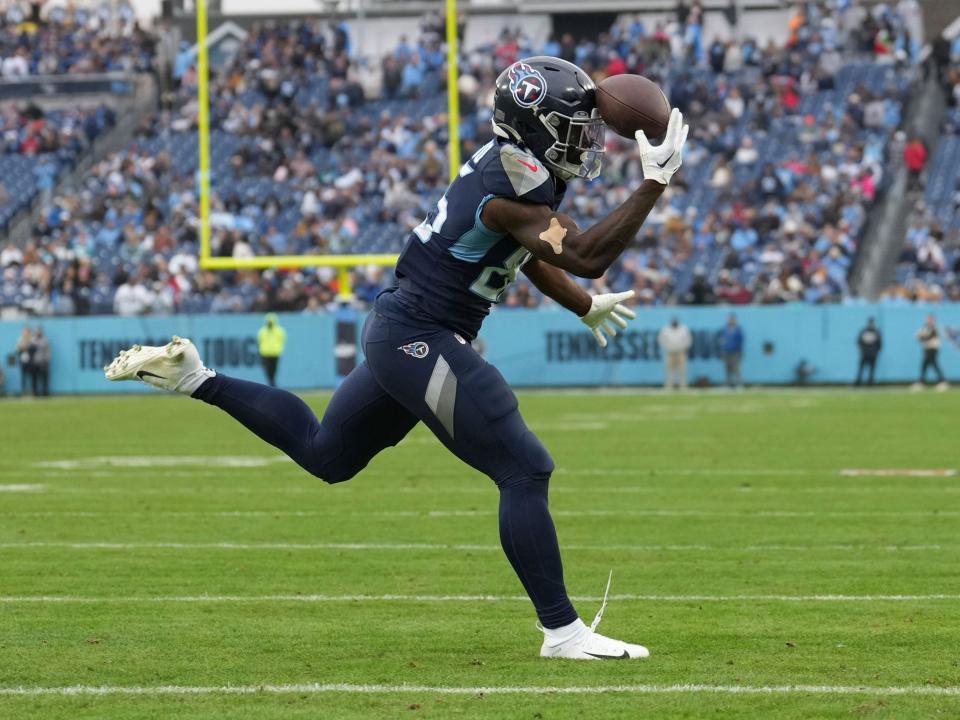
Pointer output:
x,y
462,398
493,428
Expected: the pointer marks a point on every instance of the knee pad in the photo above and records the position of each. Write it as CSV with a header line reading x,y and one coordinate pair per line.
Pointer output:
x,y
533,464
540,461
327,460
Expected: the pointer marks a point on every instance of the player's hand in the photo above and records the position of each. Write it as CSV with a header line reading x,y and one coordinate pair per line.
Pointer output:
x,y
606,313
660,162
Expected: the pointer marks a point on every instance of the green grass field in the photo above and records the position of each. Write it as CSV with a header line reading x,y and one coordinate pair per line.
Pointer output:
x,y
162,562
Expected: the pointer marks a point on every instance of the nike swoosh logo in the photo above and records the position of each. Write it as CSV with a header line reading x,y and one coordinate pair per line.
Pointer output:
x,y
146,373
664,163
625,656
529,166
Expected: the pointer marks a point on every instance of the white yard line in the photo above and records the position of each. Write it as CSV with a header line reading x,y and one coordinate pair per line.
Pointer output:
x,y
343,688
668,513
744,514
123,464
22,488
423,514
427,491
899,472
239,599
467,547
645,472
127,462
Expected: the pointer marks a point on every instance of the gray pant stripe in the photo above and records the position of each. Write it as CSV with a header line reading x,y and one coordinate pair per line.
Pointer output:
x,y
441,394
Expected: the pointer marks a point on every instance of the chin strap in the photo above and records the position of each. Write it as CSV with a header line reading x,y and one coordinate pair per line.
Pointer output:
x,y
603,605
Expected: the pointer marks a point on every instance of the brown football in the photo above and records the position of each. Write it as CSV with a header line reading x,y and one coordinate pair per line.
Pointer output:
x,y
628,103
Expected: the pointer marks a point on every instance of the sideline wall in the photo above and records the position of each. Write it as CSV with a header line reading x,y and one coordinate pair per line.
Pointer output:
x,y
531,347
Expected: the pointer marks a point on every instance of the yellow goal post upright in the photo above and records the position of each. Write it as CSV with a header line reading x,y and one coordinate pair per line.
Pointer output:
x,y
343,263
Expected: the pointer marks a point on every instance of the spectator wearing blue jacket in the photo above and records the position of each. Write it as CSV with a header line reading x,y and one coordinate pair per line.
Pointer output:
x,y
731,348
412,77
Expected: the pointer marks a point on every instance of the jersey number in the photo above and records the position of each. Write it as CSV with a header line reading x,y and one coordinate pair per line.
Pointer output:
x,y
494,279
433,222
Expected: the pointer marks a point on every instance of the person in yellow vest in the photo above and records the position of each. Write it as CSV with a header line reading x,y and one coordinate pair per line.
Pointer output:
x,y
271,339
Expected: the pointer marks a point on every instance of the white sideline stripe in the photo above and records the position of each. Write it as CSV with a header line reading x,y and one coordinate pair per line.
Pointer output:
x,y
318,688
22,488
232,599
457,546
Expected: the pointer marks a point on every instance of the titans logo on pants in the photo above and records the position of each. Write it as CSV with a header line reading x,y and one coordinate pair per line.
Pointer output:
x,y
418,350
527,85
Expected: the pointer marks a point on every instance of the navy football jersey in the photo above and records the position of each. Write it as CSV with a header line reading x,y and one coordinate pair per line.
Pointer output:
x,y
453,267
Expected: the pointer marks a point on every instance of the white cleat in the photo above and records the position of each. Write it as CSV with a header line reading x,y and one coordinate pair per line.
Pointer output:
x,y
176,366
584,643
589,645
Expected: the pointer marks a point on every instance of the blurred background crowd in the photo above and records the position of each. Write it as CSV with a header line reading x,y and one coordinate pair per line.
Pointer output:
x,y
317,150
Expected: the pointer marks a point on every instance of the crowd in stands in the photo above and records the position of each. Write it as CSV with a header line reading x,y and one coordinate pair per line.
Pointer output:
x,y
788,150
36,146
928,268
54,38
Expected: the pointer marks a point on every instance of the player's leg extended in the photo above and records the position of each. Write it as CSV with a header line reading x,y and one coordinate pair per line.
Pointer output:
x,y
468,405
360,421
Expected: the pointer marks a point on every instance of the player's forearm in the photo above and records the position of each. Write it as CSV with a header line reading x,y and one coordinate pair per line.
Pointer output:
x,y
556,239
597,247
556,284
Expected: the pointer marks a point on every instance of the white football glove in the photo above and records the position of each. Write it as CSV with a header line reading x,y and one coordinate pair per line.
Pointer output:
x,y
662,161
605,309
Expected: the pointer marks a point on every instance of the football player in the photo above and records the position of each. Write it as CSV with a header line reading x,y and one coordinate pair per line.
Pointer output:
x,y
497,218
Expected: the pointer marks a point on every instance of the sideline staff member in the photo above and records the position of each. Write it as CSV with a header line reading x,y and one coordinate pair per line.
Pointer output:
x,y
870,342
272,338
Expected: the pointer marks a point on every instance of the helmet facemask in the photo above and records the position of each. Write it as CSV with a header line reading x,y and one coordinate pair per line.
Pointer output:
x,y
577,150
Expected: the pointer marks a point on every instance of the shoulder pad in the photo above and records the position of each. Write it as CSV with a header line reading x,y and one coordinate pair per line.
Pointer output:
x,y
514,173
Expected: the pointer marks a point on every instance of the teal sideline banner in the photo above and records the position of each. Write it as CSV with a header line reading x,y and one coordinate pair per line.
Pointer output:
x,y
82,346
547,347
551,347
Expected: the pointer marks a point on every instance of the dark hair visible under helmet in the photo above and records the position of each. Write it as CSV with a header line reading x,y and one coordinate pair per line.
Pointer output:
x,y
549,105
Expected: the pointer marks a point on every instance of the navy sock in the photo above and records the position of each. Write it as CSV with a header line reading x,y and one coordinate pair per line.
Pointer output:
x,y
276,416
529,539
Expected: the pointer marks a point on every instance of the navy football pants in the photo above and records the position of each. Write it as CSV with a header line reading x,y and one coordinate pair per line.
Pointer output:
x,y
429,374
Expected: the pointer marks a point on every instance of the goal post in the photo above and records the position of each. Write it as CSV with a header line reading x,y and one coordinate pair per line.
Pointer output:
x,y
453,94
343,263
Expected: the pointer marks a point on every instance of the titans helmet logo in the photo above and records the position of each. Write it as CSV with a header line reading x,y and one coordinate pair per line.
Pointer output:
x,y
527,85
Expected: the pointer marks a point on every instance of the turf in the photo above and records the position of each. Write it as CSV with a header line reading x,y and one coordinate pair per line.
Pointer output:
x,y
724,517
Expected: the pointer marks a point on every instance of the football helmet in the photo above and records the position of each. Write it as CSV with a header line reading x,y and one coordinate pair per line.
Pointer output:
x,y
549,106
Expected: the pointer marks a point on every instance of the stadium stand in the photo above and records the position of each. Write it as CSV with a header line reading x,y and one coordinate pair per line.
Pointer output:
x,y
929,265
52,39
304,163
36,146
